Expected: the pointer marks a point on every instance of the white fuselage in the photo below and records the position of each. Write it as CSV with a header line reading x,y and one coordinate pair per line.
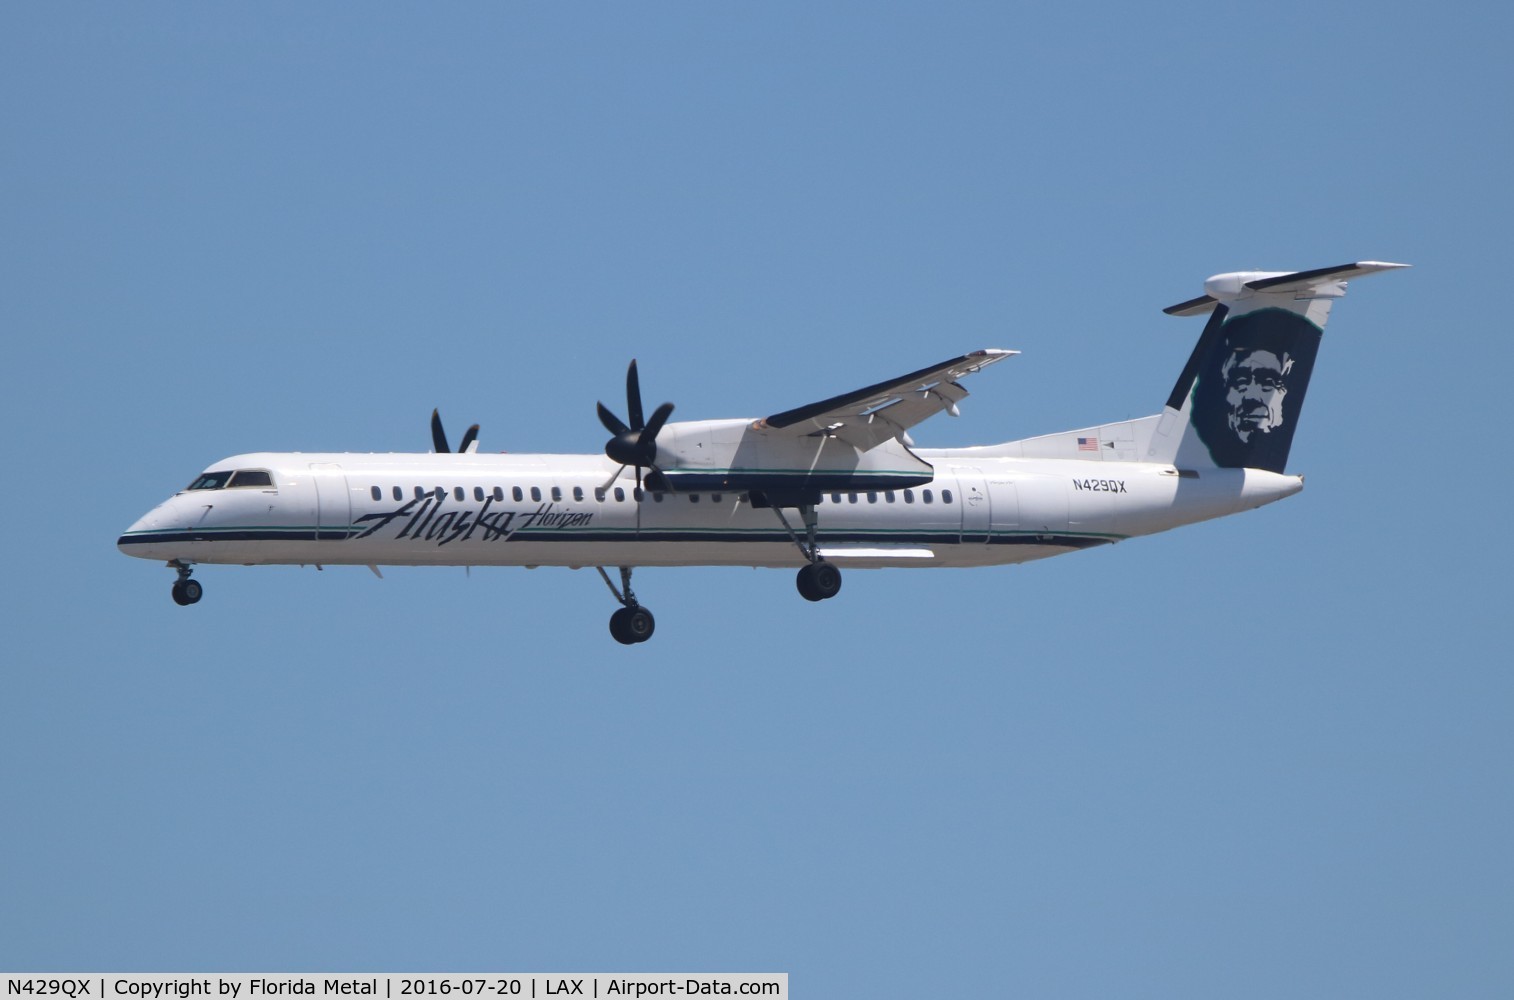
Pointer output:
x,y
563,510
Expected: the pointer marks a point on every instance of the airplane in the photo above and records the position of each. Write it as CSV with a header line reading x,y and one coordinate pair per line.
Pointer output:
x,y
833,484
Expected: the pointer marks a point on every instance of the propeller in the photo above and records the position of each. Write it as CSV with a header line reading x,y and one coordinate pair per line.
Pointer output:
x,y
439,436
636,443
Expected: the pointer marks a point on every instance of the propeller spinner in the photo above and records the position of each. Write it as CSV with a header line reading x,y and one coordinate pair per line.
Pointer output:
x,y
634,444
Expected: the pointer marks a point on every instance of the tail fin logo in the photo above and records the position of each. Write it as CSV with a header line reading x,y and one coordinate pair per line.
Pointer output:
x,y
1250,389
1255,387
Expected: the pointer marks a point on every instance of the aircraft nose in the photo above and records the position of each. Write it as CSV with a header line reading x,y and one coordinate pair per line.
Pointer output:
x,y
134,538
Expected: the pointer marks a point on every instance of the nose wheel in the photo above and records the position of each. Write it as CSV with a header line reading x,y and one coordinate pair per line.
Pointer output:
x,y
185,591
632,623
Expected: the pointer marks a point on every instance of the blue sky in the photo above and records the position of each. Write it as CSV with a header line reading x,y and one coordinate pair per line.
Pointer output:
x,y
1264,756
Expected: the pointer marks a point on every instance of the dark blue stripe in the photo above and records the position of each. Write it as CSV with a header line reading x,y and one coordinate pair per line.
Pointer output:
x,y
249,535
826,537
824,482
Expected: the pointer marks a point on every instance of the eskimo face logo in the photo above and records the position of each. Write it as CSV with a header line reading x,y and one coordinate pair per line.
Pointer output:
x,y
1250,388
1255,387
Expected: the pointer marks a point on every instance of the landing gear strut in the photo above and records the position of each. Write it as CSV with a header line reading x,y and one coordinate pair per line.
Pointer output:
x,y
632,623
819,580
185,590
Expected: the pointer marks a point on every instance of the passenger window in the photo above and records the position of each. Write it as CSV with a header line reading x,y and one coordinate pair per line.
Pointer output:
x,y
457,493
835,498
516,493
399,494
946,496
657,497
620,495
872,498
556,493
851,498
536,493
377,493
909,496
693,498
889,496
478,492
419,493
578,493
715,498
925,495
440,493
599,494
499,494
638,493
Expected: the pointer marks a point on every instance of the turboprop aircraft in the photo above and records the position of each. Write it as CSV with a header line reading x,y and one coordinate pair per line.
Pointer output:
x,y
832,484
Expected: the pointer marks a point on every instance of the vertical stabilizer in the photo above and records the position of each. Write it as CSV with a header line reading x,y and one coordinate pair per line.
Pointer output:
x,y
1238,399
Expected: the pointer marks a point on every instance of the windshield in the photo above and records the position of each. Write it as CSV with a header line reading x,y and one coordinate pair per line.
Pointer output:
x,y
210,481
251,477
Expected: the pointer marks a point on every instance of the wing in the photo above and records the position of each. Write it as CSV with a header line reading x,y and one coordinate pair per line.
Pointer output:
x,y
869,416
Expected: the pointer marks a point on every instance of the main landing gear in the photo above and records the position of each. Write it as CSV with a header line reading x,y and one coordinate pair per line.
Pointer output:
x,y
819,580
632,623
185,590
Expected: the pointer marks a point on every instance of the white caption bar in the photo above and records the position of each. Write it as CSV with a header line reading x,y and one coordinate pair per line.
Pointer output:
x,y
392,986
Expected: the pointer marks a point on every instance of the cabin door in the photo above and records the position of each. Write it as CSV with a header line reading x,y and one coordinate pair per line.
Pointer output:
x,y
977,515
333,502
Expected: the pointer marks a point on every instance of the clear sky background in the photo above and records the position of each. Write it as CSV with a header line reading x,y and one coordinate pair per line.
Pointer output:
x,y
1265,756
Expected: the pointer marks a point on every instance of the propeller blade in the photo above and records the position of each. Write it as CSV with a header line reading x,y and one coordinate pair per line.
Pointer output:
x,y
633,397
438,436
659,417
636,444
611,421
469,436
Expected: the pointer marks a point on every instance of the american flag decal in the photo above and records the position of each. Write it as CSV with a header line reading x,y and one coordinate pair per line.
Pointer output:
x,y
1088,444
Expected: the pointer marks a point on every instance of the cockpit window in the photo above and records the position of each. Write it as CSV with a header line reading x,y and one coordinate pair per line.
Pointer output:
x,y
251,477
241,477
210,481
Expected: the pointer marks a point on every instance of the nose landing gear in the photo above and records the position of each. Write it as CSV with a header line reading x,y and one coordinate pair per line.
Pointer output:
x,y
185,591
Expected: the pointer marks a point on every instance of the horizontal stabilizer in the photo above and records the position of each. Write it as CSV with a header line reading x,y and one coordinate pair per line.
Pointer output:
x,y
1239,284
